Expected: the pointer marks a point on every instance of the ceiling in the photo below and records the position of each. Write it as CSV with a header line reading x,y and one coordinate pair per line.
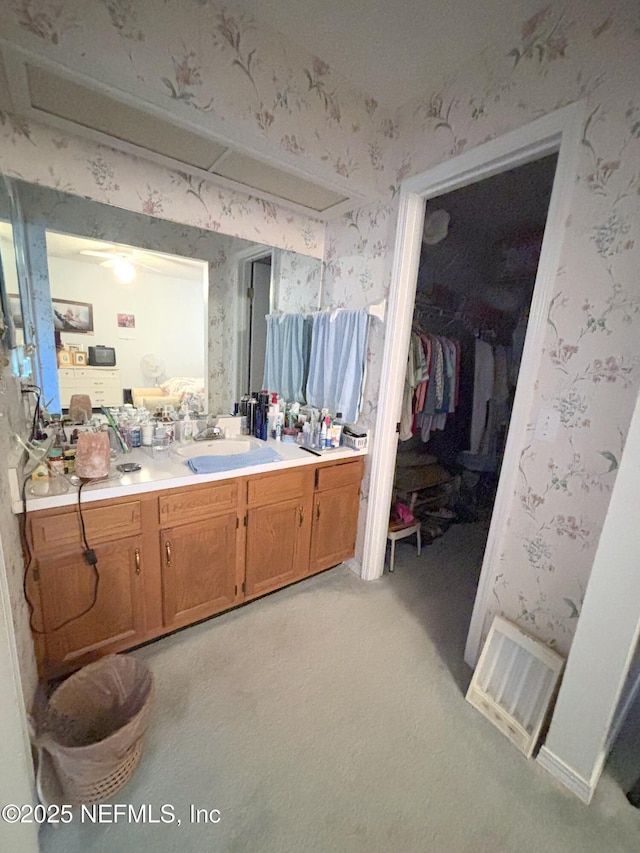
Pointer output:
x,y
393,51
70,248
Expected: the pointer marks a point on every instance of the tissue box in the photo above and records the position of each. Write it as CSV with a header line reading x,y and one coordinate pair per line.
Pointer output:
x,y
231,425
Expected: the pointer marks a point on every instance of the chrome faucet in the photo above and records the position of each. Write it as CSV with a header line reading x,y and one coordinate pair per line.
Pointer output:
x,y
209,434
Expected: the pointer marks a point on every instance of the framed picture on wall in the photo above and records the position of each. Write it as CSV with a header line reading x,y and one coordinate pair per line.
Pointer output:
x,y
69,316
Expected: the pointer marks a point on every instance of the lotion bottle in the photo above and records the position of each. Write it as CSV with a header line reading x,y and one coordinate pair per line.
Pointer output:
x,y
187,429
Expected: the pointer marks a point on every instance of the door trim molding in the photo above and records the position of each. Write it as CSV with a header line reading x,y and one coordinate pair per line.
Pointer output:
x,y
561,132
565,774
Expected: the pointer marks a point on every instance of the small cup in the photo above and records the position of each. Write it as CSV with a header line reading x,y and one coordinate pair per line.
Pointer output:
x,y
160,446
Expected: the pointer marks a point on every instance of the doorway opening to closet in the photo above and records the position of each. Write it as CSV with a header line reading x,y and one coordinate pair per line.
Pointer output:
x,y
476,275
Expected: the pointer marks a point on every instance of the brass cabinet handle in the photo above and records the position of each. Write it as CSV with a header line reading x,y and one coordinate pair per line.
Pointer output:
x,y
300,516
167,547
317,512
138,566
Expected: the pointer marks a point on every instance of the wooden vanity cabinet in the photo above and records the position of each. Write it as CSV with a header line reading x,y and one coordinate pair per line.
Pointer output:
x,y
278,522
171,558
201,552
335,514
61,584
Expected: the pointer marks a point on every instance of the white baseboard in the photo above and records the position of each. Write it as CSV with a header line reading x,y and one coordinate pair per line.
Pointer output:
x,y
354,566
563,773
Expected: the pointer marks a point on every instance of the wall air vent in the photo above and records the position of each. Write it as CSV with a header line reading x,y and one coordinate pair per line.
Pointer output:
x,y
514,683
239,167
93,110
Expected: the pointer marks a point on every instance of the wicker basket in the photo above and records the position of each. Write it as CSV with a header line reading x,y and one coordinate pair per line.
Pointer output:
x,y
87,791
93,727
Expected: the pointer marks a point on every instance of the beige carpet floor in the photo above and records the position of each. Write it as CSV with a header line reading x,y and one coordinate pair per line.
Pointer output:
x,y
331,717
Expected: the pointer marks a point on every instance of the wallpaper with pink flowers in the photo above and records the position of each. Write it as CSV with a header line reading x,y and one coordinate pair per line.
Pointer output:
x,y
229,74
590,368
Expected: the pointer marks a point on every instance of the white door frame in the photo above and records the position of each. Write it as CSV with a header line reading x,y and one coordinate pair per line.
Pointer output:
x,y
559,131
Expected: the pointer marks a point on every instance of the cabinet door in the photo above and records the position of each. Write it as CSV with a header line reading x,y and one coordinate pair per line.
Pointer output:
x,y
66,584
335,524
277,545
198,569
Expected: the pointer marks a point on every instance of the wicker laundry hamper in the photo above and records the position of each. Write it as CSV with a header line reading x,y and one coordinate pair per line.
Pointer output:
x,y
93,724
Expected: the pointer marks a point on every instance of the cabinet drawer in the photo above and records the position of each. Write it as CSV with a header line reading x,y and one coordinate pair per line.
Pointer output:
x,y
101,523
194,504
334,476
273,488
97,374
66,375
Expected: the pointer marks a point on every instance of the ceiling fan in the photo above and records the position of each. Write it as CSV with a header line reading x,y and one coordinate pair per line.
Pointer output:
x,y
123,262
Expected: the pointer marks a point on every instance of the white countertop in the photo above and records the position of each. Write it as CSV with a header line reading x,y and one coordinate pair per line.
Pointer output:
x,y
171,474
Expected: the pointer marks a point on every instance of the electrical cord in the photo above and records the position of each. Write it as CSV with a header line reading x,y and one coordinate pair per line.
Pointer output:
x,y
34,389
89,556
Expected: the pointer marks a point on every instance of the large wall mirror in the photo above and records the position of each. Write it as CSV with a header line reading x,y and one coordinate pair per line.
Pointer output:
x,y
169,299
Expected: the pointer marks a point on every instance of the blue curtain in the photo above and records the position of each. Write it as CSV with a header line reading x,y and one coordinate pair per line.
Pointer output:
x,y
287,355
337,361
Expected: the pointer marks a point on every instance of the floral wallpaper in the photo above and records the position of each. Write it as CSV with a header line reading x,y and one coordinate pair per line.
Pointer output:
x,y
225,73
298,282
357,273
31,152
221,70
12,416
590,370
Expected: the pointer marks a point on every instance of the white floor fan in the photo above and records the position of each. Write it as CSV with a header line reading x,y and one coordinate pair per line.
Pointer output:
x,y
152,366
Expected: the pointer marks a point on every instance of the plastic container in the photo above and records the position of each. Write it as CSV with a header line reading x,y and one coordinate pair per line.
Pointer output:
x,y
160,446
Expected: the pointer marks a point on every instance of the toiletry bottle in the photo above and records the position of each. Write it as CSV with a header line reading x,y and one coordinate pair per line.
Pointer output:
x,y
336,430
251,415
279,428
272,417
263,405
323,434
187,428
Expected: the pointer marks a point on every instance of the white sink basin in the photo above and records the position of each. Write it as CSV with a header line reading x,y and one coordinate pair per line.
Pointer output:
x,y
218,447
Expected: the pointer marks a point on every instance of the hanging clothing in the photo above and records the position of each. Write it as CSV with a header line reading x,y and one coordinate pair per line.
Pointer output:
x,y
498,411
483,381
430,395
287,355
416,373
338,361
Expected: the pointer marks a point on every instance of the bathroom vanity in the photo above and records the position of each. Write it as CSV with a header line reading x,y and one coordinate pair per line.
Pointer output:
x,y
174,548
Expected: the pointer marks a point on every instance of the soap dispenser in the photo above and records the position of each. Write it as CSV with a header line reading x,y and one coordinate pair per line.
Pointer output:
x,y
187,428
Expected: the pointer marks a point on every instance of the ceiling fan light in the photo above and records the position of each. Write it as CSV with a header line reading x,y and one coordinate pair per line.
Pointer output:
x,y
124,270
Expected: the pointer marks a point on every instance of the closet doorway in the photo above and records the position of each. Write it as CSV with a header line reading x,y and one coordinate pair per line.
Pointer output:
x,y
479,257
561,132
